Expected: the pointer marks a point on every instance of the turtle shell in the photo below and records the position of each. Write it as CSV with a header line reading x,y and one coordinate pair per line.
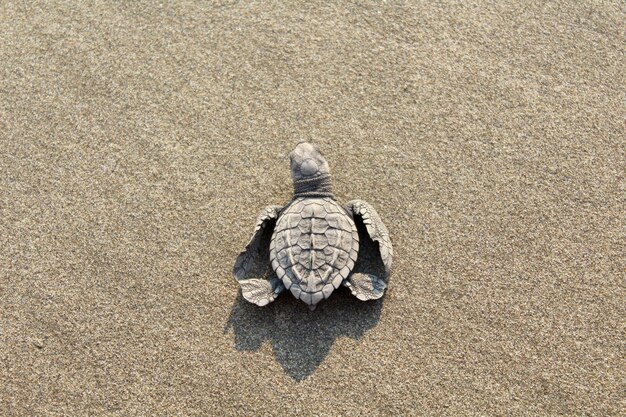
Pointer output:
x,y
314,247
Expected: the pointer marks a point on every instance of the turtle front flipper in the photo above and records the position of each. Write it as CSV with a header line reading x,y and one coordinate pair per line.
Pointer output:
x,y
364,284
376,230
252,264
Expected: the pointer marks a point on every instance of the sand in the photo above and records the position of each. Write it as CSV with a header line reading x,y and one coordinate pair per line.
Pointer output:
x,y
138,142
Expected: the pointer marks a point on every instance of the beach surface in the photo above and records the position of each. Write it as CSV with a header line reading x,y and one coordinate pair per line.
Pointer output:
x,y
140,140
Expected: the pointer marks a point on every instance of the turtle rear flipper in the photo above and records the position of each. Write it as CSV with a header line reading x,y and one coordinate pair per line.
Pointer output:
x,y
261,291
252,265
365,286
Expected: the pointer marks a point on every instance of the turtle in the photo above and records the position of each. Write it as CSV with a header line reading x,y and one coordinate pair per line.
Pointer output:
x,y
313,241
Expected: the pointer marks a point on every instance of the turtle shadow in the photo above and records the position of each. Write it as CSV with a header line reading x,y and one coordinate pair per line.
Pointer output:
x,y
301,339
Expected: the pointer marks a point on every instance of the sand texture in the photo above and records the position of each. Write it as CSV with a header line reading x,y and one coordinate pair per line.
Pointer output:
x,y
139,141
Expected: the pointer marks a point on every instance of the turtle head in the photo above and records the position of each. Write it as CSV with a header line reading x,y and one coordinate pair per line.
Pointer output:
x,y
309,169
307,162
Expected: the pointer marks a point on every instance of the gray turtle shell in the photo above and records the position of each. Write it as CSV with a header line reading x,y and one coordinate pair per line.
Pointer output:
x,y
314,247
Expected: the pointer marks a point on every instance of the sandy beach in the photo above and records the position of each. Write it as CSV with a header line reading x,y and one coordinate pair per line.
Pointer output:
x,y
139,141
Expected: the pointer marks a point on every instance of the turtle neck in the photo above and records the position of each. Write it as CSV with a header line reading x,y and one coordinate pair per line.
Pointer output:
x,y
320,186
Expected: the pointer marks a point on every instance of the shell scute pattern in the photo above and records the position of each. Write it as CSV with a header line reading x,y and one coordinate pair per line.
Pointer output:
x,y
316,247
280,243
336,221
304,241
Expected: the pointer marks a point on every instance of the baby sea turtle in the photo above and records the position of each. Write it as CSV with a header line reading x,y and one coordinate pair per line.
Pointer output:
x,y
313,241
